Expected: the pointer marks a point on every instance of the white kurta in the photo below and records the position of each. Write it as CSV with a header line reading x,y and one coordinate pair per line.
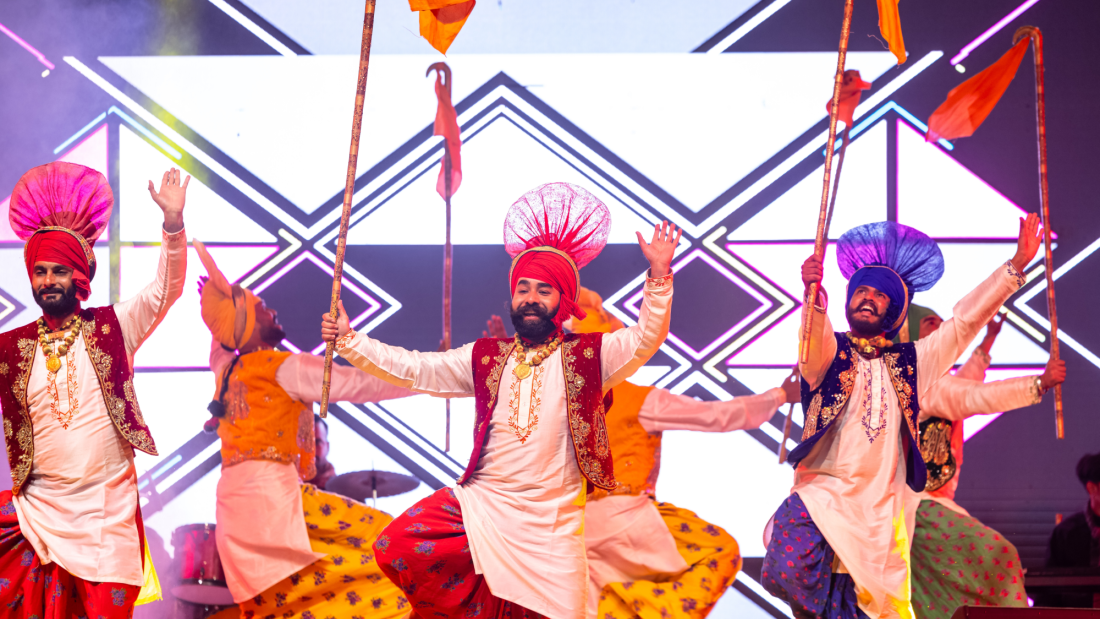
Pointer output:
x,y
78,505
264,495
965,394
625,535
523,508
853,480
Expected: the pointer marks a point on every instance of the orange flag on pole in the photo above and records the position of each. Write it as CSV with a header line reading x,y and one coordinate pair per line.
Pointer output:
x,y
969,103
446,125
440,20
889,24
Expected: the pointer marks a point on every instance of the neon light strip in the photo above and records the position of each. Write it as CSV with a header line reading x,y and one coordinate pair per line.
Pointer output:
x,y
350,271
179,473
396,440
152,137
87,127
8,308
1015,319
904,113
983,37
252,27
190,148
1064,337
27,46
270,264
748,26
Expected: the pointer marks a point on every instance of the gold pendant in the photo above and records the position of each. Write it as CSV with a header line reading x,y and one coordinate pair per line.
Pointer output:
x,y
53,364
522,371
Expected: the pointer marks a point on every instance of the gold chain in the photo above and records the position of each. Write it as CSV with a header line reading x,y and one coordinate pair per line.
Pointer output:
x,y
869,347
523,366
53,364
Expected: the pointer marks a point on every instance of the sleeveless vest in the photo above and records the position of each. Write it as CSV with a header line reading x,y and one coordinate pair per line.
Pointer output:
x,y
935,447
103,340
584,400
824,404
637,453
262,421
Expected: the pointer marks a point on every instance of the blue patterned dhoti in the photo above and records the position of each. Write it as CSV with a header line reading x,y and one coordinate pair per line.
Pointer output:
x,y
798,568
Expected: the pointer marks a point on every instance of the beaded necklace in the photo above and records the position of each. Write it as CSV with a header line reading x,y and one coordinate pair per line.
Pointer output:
x,y
53,364
869,347
523,366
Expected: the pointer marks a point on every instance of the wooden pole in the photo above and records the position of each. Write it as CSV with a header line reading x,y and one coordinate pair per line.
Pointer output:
x,y
1044,196
349,191
819,242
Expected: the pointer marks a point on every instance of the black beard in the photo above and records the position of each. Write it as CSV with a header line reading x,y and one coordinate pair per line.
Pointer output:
x,y
62,307
535,333
862,326
273,336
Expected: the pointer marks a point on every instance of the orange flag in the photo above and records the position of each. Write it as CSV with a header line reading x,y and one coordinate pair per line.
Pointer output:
x,y
446,125
970,102
851,89
440,20
889,24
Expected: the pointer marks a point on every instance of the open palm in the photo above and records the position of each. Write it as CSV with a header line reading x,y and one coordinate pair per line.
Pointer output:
x,y
660,249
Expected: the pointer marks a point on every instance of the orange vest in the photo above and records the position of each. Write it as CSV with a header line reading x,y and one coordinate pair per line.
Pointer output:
x,y
262,421
636,452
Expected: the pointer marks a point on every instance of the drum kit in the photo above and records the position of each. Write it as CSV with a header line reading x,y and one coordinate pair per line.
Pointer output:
x,y
202,591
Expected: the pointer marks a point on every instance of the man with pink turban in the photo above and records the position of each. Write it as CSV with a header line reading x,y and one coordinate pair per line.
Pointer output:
x,y
71,537
508,539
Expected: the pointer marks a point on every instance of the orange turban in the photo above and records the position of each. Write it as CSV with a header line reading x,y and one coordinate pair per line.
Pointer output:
x,y
229,310
598,319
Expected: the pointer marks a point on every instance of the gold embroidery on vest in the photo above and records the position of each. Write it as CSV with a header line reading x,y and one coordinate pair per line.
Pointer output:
x,y
578,427
116,407
905,394
24,434
589,353
819,416
492,382
3,369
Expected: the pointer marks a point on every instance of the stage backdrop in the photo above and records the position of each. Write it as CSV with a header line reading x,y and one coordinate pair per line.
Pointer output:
x,y
709,114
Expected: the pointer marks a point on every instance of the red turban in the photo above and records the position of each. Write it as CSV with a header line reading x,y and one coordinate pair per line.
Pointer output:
x,y
60,209
552,232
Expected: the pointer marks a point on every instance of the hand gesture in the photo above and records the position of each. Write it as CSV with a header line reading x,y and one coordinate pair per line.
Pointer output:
x,y
658,251
495,328
812,270
792,387
1028,243
1054,375
332,329
993,327
170,199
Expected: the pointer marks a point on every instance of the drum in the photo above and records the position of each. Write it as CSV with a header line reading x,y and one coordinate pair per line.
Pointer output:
x,y
201,580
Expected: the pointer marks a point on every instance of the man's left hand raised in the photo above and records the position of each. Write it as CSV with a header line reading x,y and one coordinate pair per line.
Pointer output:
x,y
170,199
659,250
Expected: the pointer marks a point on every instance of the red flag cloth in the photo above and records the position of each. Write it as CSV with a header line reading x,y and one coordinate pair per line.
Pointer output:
x,y
446,125
850,91
969,103
440,20
889,24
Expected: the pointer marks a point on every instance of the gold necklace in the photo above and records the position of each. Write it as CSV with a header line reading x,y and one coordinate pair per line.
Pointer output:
x,y
53,361
53,364
869,347
523,366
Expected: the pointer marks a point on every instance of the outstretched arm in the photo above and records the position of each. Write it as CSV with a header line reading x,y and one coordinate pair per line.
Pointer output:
x,y
446,374
822,343
664,410
626,350
300,375
955,398
140,315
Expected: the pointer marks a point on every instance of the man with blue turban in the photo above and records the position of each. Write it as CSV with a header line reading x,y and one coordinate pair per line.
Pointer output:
x,y
839,546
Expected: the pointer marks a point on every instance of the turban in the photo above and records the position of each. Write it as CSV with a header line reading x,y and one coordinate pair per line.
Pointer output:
x,y
917,313
598,319
894,259
552,232
60,209
229,310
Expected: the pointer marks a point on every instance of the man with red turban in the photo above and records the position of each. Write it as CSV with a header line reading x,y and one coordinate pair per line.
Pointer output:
x,y
71,537
508,539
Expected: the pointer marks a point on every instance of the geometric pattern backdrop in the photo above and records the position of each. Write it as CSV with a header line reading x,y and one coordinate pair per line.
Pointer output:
x,y
252,98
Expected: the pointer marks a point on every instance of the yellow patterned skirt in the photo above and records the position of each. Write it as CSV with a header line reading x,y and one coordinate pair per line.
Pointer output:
x,y
713,560
347,583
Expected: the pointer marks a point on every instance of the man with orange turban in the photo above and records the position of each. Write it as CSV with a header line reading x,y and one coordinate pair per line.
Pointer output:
x,y
644,557
286,546
71,537
508,539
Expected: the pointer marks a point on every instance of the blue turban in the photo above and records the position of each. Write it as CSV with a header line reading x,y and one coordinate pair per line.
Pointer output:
x,y
894,259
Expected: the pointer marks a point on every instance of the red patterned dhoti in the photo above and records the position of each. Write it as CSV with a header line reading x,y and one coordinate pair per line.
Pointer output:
x,y
424,551
30,589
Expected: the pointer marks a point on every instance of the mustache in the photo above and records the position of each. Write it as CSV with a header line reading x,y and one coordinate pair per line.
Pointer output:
x,y
867,305
534,309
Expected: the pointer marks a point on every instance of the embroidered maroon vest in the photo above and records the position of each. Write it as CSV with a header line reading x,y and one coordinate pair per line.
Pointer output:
x,y
107,350
584,399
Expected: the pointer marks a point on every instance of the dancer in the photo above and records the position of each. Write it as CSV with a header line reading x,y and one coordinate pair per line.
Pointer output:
x,y
839,546
285,546
647,558
71,537
977,566
508,539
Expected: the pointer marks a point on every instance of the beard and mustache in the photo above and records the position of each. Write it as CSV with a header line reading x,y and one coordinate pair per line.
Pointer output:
x,y
866,326
61,306
533,331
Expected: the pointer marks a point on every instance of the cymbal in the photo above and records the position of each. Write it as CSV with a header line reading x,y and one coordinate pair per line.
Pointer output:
x,y
360,484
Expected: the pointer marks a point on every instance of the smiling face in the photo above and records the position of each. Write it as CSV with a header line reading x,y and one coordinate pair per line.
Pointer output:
x,y
53,287
534,305
867,311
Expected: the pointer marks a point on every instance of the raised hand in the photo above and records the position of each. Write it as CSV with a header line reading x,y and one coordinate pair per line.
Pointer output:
x,y
333,329
1028,243
495,328
1054,375
811,270
658,251
171,198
